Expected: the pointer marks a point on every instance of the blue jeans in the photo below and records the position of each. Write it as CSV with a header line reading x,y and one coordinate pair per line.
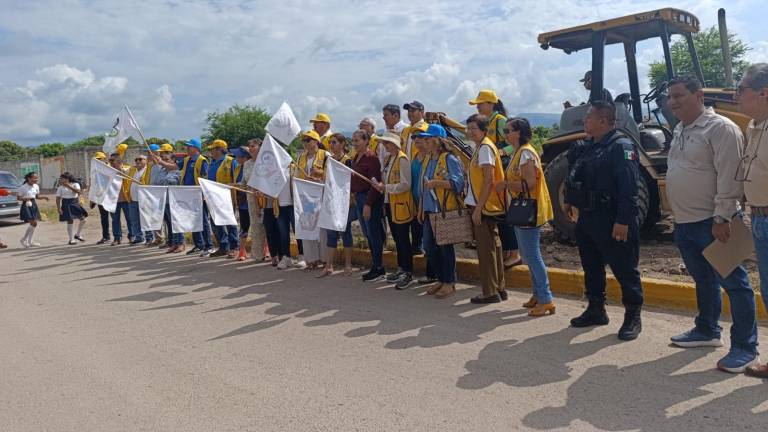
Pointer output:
x,y
104,218
134,227
278,231
441,258
373,229
332,237
529,241
760,235
202,239
117,232
227,237
692,239
174,239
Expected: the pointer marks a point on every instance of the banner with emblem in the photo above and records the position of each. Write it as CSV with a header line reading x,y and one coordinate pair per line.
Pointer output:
x,y
186,204
219,199
151,201
105,185
335,209
125,126
307,200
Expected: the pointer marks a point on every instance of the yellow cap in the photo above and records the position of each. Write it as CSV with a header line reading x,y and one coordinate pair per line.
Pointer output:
x,y
321,117
390,137
121,149
219,144
484,96
165,147
99,155
311,134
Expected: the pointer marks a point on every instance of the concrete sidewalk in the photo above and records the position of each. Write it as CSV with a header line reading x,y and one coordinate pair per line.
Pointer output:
x,y
99,338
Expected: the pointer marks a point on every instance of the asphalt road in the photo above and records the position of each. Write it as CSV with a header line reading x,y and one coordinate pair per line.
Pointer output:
x,y
99,338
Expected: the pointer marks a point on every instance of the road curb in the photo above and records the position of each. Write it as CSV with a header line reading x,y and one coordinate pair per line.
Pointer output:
x,y
657,292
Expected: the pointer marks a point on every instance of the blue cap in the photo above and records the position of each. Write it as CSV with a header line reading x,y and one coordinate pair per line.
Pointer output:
x,y
194,142
239,152
433,131
154,147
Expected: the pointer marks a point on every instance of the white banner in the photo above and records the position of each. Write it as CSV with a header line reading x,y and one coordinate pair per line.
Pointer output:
x,y
283,125
219,199
151,206
270,169
125,126
105,185
307,199
335,209
186,204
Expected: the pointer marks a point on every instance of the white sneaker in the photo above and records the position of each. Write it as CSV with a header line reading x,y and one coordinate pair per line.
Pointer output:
x,y
24,244
34,244
300,263
73,242
285,263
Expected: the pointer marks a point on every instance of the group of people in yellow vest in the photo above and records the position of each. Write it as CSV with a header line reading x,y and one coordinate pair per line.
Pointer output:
x,y
406,174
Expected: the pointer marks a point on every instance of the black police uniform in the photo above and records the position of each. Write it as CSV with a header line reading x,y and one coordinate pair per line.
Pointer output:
x,y
602,184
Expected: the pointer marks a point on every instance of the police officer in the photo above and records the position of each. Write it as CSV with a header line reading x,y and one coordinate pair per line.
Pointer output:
x,y
602,184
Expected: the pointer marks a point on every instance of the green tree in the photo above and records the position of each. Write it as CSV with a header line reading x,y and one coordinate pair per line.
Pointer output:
x,y
48,149
541,134
236,125
94,141
10,151
710,55
158,141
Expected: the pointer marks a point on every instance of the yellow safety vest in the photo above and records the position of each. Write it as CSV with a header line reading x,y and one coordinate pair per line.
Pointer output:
x,y
493,206
421,126
318,163
448,201
197,168
325,141
224,173
147,174
126,186
539,191
493,133
401,205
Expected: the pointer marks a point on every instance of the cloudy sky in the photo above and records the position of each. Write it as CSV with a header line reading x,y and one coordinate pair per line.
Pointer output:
x,y
68,65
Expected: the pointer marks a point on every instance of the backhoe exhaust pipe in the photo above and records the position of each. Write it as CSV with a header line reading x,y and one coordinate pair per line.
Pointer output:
x,y
725,47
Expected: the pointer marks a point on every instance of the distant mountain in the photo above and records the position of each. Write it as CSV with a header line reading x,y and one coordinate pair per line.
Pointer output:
x,y
541,119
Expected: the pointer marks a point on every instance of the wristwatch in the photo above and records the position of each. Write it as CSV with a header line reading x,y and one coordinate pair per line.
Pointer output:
x,y
720,220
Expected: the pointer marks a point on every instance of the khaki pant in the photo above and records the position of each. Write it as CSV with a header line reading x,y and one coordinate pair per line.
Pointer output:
x,y
256,231
489,256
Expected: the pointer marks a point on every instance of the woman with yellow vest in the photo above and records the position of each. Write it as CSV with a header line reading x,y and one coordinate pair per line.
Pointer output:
x,y
442,184
191,169
222,170
338,145
137,173
525,168
485,170
311,167
123,198
399,207
490,106
255,207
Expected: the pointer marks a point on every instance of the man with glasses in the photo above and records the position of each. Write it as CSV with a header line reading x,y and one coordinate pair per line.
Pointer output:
x,y
704,196
752,96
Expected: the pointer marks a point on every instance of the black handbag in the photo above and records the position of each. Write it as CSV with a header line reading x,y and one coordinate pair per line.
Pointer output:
x,y
522,211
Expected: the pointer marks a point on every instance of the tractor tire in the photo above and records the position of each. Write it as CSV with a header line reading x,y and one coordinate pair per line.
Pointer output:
x,y
564,228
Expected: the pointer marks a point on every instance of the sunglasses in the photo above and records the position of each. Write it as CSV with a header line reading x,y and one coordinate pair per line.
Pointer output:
x,y
138,160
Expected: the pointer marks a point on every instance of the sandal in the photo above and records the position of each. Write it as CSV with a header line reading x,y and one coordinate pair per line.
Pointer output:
x,y
434,288
531,303
445,291
348,271
324,273
3,245
542,310
515,263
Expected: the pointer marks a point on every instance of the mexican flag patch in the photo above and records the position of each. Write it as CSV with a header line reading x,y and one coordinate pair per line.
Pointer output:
x,y
630,155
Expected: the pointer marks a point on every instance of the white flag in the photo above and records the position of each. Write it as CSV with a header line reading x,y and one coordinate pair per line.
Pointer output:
x,y
219,199
186,204
105,185
283,124
125,126
270,169
151,206
335,209
307,199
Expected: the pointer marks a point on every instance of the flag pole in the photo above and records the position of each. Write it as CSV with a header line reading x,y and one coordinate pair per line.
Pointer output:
x,y
144,140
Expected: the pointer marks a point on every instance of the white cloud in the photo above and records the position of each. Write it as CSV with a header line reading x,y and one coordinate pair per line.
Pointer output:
x,y
164,101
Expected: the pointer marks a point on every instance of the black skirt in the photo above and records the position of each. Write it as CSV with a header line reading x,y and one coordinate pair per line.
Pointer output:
x,y
71,210
28,213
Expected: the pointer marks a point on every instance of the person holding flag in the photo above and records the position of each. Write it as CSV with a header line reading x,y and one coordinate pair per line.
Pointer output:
x,y
222,170
311,166
399,207
166,173
192,168
103,214
124,197
242,156
338,144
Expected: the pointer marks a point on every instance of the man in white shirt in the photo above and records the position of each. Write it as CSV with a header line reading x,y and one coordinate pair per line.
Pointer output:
x,y
752,95
704,196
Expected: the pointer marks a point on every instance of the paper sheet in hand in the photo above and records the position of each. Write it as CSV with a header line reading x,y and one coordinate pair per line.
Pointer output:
x,y
725,257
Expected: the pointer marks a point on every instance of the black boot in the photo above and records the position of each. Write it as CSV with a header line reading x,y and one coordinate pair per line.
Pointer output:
x,y
594,315
632,326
